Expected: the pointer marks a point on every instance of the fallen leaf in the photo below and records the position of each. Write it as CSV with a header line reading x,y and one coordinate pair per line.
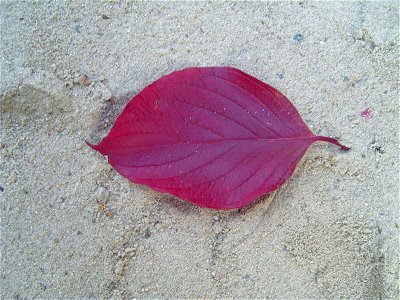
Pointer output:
x,y
215,136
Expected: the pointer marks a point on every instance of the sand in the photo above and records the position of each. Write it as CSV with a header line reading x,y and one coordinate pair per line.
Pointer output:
x,y
71,227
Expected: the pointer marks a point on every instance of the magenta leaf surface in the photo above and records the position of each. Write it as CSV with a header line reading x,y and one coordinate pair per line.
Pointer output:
x,y
214,136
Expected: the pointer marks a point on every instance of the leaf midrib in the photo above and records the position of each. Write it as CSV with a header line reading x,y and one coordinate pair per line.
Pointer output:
x,y
311,138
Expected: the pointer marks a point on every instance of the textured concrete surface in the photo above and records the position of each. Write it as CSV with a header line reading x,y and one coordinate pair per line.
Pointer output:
x,y
71,227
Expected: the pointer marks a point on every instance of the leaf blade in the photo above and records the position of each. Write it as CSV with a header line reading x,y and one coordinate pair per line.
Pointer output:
x,y
215,136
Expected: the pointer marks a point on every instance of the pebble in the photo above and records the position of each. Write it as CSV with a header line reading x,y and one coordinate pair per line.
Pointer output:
x,y
359,34
102,195
13,177
78,28
298,37
106,95
119,267
84,80
129,252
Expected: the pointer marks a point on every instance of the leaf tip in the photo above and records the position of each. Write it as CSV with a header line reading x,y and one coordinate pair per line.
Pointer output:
x,y
344,148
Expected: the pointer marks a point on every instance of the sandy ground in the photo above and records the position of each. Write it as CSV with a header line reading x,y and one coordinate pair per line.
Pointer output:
x,y
71,227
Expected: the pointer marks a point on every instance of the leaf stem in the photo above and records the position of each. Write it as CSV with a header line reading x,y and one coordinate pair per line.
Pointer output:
x,y
332,141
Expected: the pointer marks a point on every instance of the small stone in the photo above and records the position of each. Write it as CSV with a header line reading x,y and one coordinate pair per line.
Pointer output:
x,y
102,195
78,28
119,267
109,214
298,37
130,251
106,95
13,177
359,34
101,207
84,80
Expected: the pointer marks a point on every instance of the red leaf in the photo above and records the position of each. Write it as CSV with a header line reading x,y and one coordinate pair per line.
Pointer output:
x,y
216,137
